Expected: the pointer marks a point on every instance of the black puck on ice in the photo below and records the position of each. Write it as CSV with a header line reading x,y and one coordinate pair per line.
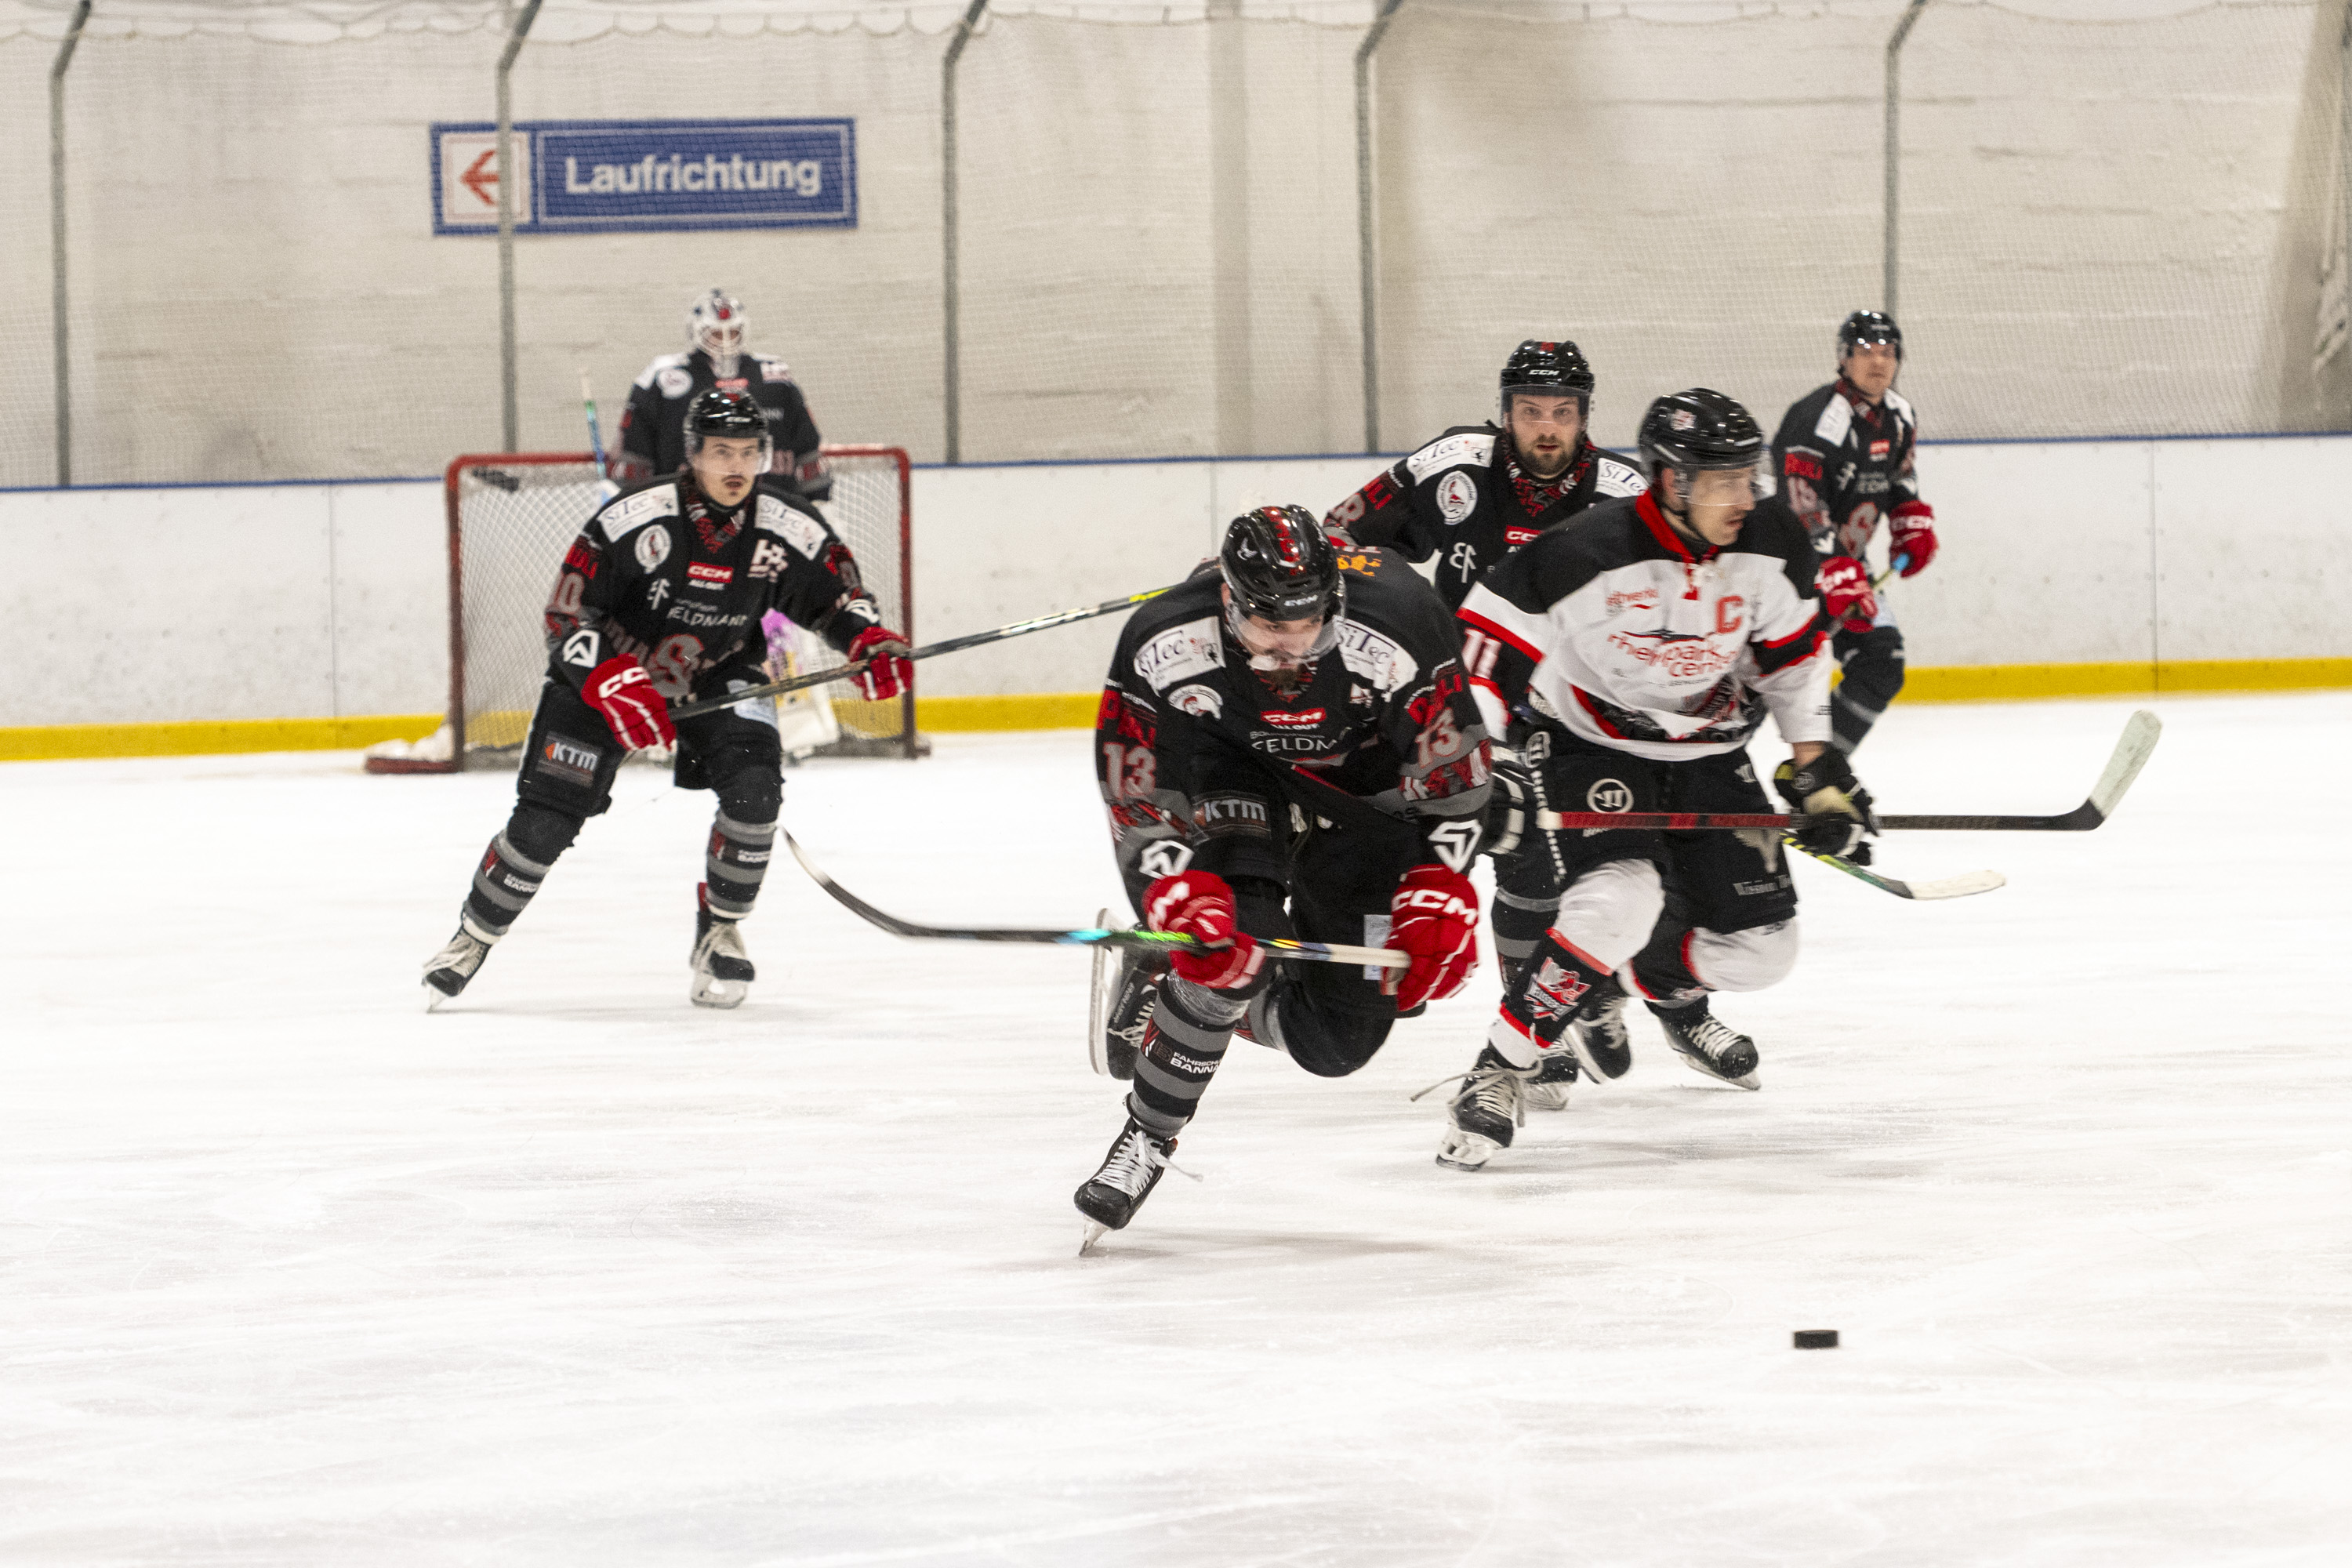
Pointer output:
x,y
1816,1338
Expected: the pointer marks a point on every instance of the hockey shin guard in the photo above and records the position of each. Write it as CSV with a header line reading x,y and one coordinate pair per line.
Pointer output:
x,y
1183,1045
508,878
736,863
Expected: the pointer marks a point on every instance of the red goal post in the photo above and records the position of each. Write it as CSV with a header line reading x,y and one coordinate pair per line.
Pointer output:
x,y
510,517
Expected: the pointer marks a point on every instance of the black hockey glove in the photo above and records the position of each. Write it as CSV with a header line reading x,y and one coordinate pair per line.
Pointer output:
x,y
1832,810
1511,804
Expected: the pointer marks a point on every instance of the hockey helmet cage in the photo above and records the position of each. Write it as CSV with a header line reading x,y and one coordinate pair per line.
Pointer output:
x,y
1703,429
1279,566
728,415
1869,327
1555,369
716,324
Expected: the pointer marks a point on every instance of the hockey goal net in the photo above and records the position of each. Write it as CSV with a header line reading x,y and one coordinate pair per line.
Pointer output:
x,y
511,515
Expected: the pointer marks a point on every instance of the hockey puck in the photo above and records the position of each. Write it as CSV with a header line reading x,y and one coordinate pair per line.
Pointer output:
x,y
1816,1338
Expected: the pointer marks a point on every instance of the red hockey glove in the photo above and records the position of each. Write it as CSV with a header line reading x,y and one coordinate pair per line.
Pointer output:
x,y
1200,904
889,674
1433,917
624,693
1846,591
1913,531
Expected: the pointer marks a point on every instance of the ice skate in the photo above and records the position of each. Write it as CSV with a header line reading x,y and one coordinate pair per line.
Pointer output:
x,y
1487,1108
1599,1037
1708,1045
722,968
1556,1069
447,971
1130,989
1128,1173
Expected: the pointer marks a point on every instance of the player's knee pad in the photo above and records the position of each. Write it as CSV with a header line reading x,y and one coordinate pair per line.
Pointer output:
x,y
1750,959
1608,912
541,832
753,791
1328,1040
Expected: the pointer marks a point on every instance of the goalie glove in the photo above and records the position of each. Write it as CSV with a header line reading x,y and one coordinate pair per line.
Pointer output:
x,y
1832,810
620,690
1200,904
890,673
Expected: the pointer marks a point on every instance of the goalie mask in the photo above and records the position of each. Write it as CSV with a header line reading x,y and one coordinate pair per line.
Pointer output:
x,y
1280,568
735,415
716,324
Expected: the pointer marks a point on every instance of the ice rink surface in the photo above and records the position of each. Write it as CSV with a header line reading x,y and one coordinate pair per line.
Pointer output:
x,y
573,1273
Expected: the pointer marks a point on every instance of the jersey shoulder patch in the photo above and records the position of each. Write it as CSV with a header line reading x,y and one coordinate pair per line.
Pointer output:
x,y
1378,660
1611,477
625,514
774,369
1837,418
801,532
1901,407
1472,447
661,362
1179,652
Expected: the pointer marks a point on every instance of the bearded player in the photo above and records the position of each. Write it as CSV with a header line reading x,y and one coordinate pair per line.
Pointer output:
x,y
1287,749
660,601
1648,642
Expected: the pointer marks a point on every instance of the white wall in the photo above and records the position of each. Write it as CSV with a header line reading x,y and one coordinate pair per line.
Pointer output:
x,y
267,602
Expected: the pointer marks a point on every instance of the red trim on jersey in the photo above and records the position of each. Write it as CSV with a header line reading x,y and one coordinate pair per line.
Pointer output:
x,y
1581,956
1482,680
1584,700
1646,505
1814,628
1525,1032
1500,634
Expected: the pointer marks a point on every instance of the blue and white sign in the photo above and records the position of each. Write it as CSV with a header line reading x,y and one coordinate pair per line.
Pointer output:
x,y
603,177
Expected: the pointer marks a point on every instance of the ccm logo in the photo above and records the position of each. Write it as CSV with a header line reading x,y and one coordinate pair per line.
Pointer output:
x,y
1312,716
1428,898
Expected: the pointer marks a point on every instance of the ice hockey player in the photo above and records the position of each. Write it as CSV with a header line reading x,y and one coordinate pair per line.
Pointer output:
x,y
1845,455
653,425
1478,492
1471,497
1649,639
1287,749
661,597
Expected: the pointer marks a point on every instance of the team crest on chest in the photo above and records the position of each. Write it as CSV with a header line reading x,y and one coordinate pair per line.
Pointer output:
x,y
1457,496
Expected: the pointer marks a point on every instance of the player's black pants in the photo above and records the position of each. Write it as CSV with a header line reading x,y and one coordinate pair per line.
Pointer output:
x,y
569,765
1873,666
1336,885
1684,913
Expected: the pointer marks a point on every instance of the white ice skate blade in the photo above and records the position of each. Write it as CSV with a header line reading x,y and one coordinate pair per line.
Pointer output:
x,y
435,996
1461,1150
709,990
1095,1231
1750,1082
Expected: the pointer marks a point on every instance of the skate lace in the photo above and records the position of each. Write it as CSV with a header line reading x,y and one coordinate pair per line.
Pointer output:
x,y
1713,1036
723,940
1132,1160
1497,1089
463,954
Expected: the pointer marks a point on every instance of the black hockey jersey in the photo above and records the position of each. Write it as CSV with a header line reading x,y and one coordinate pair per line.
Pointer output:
x,y
664,574
1845,463
1200,756
1618,629
1457,498
653,425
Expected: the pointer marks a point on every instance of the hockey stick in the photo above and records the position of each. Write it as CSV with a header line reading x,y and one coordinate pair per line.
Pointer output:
x,y
929,650
1091,936
1893,566
1959,887
595,435
2131,753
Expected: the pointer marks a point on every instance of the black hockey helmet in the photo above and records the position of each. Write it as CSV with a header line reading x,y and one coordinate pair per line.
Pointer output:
x,y
1699,430
1279,566
1555,369
727,415
1869,327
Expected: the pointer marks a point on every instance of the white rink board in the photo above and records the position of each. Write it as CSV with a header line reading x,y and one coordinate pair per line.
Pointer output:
x,y
330,600
575,1274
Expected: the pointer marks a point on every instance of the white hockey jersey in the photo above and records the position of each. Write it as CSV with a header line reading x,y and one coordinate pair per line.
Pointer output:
x,y
1614,626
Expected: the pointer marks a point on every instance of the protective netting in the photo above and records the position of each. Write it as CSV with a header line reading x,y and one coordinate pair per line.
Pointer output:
x,y
516,515
2114,221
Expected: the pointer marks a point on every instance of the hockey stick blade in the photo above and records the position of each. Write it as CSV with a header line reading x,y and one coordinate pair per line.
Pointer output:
x,y
929,650
1959,887
1089,936
2138,740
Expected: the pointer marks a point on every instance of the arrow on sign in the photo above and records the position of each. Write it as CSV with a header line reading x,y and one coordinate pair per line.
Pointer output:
x,y
481,179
